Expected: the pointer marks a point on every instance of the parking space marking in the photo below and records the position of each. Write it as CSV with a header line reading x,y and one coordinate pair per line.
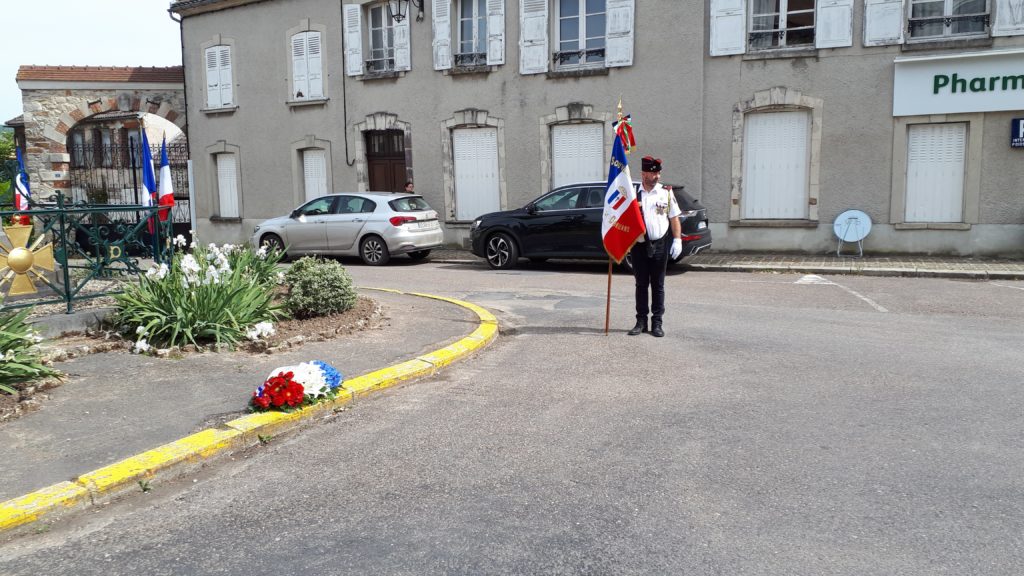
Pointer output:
x,y
815,279
1005,286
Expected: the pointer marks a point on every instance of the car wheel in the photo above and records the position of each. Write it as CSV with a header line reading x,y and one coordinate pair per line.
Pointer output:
x,y
374,251
272,242
419,254
502,253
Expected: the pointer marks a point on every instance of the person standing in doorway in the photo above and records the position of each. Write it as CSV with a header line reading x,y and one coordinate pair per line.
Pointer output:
x,y
651,252
409,187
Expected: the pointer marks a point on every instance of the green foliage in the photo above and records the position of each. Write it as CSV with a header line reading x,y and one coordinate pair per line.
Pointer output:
x,y
19,356
213,295
317,288
6,145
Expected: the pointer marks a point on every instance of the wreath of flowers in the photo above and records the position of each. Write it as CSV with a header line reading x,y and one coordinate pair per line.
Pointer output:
x,y
291,387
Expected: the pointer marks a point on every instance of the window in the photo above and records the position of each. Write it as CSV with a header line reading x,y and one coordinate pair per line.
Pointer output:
x,y
219,93
776,154
936,156
77,150
559,200
318,207
581,33
382,40
307,66
472,29
577,153
227,185
781,23
944,18
314,171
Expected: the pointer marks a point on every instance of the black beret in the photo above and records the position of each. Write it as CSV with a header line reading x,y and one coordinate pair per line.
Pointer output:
x,y
650,164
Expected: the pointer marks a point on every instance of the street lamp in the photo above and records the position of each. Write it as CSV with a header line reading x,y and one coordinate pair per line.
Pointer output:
x,y
399,9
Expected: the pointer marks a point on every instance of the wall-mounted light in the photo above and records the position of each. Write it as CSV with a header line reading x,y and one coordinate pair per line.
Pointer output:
x,y
399,9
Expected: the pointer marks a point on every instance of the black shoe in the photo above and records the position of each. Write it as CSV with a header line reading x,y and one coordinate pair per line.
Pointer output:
x,y
656,330
641,326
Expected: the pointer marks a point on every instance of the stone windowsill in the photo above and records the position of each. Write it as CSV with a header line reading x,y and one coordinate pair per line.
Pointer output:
x,y
370,76
578,73
215,111
461,70
226,220
931,226
936,44
307,102
776,53
773,223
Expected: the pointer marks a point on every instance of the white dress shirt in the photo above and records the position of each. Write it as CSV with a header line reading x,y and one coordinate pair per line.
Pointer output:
x,y
657,206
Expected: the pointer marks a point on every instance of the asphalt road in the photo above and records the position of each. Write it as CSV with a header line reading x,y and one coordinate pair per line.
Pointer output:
x,y
785,425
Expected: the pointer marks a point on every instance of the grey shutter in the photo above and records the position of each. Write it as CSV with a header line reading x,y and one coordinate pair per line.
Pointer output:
x,y
495,32
353,17
402,45
441,13
533,36
728,27
883,22
212,78
1009,18
619,33
834,28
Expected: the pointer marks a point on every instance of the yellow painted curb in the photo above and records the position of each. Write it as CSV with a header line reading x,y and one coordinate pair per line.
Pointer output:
x,y
105,482
31,507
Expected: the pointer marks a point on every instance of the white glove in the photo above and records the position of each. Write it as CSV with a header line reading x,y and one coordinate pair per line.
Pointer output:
x,y
676,249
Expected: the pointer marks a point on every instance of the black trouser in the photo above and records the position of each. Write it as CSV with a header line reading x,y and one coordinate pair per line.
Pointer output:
x,y
649,262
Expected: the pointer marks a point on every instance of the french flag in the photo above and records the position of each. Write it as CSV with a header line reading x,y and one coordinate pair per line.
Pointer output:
x,y
622,223
166,196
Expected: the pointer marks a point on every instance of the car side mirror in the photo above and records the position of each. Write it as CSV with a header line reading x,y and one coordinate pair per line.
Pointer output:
x,y
531,208
294,214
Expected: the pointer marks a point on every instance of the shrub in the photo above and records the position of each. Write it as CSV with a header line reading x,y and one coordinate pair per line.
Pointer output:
x,y
317,288
19,356
212,295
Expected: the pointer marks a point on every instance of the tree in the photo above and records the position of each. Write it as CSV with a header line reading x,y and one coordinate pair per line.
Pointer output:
x,y
6,155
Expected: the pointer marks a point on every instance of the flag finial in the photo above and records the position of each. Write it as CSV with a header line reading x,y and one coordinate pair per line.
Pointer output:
x,y
624,129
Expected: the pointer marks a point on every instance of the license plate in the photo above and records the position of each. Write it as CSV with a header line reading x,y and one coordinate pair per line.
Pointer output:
x,y
702,225
427,225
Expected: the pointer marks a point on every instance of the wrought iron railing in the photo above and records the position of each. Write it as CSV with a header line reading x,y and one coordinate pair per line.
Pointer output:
x,y
915,24
581,57
471,59
70,245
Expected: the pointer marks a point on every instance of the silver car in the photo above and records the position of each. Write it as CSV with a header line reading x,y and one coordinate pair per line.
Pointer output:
x,y
373,225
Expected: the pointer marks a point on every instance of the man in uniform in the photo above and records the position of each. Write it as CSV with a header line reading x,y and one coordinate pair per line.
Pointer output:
x,y
650,254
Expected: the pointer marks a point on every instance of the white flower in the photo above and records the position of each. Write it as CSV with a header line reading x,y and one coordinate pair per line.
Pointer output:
x,y
262,253
280,277
212,276
157,272
141,347
189,264
260,330
179,241
140,330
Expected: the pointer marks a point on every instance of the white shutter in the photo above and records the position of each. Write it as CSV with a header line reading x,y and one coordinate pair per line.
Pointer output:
x,y
314,171
619,33
212,78
477,190
1009,18
227,185
728,27
883,22
495,32
441,12
300,78
314,67
353,17
834,27
935,172
775,165
533,36
226,87
402,45
577,153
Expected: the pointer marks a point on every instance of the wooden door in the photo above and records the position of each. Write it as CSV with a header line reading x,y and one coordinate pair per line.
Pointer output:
x,y
385,160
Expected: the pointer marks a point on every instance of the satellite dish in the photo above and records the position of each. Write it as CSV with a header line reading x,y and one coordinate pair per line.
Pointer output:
x,y
852,226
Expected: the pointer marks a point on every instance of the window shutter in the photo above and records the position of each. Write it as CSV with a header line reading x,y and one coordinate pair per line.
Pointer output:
x,y
728,27
212,78
225,77
577,153
495,32
441,12
227,185
477,183
776,156
314,169
300,78
353,17
533,36
402,45
835,24
314,65
1009,18
935,172
619,33
883,22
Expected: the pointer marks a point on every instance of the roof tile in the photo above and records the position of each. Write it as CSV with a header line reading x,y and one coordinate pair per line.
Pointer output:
x,y
168,74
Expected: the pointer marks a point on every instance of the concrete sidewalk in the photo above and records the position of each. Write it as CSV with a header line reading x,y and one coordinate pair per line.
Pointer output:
x,y
888,265
119,415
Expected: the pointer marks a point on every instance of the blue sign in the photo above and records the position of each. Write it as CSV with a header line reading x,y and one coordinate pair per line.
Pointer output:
x,y
1017,133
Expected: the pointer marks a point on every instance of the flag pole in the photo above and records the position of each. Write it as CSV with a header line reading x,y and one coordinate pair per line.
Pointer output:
x,y
608,295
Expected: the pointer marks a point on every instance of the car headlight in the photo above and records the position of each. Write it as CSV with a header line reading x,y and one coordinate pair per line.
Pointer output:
x,y
475,225
256,229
